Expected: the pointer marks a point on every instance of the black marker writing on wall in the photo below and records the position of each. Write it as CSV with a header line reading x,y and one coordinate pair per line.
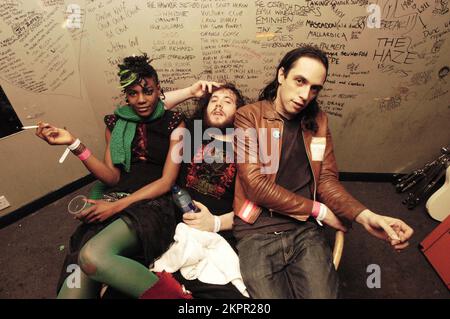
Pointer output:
x,y
394,50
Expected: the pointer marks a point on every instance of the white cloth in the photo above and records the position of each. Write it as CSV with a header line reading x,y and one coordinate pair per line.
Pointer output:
x,y
202,255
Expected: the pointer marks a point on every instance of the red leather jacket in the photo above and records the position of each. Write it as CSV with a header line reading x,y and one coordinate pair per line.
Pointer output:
x,y
260,187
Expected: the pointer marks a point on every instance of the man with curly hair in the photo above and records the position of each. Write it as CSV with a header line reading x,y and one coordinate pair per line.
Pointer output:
x,y
208,173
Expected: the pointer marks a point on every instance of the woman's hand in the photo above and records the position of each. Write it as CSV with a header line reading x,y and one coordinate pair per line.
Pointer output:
x,y
54,135
99,211
202,220
201,87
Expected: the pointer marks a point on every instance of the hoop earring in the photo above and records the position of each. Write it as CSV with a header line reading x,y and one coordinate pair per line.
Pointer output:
x,y
163,97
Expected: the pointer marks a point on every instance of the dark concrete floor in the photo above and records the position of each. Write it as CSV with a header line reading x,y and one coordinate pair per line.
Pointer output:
x,y
33,248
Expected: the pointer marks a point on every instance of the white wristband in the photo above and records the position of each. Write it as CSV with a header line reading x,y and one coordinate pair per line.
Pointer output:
x,y
322,212
216,224
74,145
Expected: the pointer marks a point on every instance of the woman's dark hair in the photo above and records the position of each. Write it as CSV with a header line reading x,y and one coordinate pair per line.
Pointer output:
x,y
204,100
269,93
135,69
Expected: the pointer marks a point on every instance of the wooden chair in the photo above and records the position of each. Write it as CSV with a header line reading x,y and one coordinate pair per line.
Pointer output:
x,y
338,248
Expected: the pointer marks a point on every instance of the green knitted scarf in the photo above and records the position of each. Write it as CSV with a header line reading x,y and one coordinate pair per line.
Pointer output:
x,y
121,138
124,131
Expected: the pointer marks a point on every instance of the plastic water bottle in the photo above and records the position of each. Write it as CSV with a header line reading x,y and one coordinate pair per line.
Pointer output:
x,y
183,200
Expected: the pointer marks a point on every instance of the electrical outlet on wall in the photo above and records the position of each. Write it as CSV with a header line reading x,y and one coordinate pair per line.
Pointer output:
x,y
3,202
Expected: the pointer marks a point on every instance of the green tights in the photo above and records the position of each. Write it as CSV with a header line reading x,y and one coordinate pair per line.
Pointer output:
x,y
102,261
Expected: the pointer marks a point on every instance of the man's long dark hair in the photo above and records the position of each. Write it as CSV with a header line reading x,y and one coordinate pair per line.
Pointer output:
x,y
269,93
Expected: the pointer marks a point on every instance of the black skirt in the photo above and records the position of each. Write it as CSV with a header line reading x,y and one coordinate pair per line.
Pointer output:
x,y
154,222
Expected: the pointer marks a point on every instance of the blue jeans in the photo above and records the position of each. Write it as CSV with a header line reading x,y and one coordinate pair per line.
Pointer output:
x,y
294,264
